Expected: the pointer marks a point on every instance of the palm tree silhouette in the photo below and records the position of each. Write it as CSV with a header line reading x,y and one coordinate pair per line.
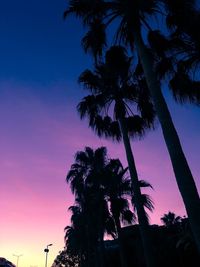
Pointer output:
x,y
117,186
176,58
170,219
86,233
112,112
183,21
117,189
131,17
85,178
75,235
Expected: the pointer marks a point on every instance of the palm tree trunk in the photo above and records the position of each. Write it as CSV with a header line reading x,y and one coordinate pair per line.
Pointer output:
x,y
101,251
120,242
89,250
184,177
142,219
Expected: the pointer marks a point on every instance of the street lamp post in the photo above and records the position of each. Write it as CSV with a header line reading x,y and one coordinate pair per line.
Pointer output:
x,y
17,256
46,250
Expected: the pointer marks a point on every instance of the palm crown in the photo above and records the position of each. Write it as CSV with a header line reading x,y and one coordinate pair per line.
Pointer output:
x,y
116,94
130,15
170,219
101,185
183,20
177,56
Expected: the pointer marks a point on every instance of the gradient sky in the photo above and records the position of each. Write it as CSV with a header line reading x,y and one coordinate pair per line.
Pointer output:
x,y
40,131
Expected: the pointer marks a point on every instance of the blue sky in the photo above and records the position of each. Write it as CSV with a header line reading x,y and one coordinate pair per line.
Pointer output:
x,y
36,43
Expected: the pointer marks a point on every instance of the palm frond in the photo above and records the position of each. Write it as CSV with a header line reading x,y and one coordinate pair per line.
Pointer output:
x,y
144,183
94,42
146,201
128,217
136,126
158,43
89,80
184,89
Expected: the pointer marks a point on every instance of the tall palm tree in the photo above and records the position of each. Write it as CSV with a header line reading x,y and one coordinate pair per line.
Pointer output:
x,y
118,190
130,17
112,112
85,178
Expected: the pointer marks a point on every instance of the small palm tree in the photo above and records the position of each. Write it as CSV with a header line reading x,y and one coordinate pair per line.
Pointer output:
x,y
118,189
170,219
131,17
75,235
112,112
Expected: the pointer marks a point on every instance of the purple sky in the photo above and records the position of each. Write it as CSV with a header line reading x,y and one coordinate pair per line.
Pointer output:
x,y
40,131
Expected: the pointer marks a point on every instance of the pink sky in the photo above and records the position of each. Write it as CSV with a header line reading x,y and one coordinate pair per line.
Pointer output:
x,y
39,138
